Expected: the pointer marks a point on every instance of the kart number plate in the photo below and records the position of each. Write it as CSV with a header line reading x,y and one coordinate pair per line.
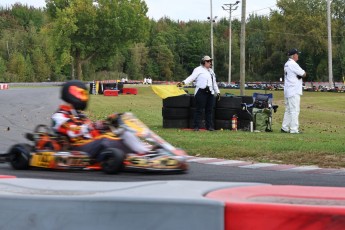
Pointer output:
x,y
42,159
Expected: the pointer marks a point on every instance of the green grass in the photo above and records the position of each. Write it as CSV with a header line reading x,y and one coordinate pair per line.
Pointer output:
x,y
321,120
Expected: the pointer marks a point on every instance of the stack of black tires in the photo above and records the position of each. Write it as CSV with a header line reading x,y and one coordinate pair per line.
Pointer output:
x,y
178,112
226,108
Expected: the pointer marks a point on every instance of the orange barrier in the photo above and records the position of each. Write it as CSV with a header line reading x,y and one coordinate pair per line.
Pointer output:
x,y
130,91
4,86
282,207
111,92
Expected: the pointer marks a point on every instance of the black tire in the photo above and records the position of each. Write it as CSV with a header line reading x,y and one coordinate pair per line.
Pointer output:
x,y
182,101
229,102
112,160
222,124
202,124
247,99
175,113
245,115
182,123
192,101
225,114
19,156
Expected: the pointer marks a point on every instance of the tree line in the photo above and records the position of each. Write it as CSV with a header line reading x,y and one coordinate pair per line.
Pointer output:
x,y
107,39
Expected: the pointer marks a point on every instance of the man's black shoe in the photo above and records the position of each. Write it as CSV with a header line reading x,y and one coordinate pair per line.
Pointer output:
x,y
210,129
283,131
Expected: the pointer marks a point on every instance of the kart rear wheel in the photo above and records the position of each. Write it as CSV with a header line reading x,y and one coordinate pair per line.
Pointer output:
x,y
19,156
112,160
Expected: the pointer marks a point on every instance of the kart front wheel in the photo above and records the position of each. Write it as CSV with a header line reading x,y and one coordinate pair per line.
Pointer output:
x,y
19,156
112,160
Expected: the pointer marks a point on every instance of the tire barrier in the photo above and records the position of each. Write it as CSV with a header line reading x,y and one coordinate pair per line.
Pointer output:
x,y
182,101
230,102
171,123
192,101
37,204
282,207
225,113
222,124
225,109
4,86
175,111
247,99
133,91
111,92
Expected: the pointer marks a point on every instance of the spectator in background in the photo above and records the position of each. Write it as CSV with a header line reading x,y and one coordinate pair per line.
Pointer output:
x,y
206,88
293,89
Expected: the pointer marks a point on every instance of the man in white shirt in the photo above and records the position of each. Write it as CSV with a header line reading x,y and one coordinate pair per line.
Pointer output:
x,y
293,89
205,89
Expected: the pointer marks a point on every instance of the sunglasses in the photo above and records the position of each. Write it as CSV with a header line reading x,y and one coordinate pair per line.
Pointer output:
x,y
208,61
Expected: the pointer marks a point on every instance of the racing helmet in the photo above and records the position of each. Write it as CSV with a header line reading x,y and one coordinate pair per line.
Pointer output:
x,y
75,93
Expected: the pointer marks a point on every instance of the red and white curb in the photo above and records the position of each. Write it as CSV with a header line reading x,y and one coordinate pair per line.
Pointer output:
x,y
267,207
7,177
266,166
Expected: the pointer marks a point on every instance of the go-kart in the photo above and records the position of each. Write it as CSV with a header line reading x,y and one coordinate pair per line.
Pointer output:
x,y
52,151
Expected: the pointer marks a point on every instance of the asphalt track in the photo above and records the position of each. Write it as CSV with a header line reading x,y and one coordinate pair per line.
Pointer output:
x,y
23,108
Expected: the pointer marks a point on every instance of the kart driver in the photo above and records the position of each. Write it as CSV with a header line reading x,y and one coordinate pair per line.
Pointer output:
x,y
83,134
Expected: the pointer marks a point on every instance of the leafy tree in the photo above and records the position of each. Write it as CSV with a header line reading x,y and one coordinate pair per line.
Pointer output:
x,y
137,61
27,16
255,42
2,69
17,66
109,39
97,31
163,58
302,25
29,74
40,66
198,44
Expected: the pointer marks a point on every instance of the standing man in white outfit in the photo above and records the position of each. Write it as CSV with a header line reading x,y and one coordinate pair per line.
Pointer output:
x,y
293,89
205,89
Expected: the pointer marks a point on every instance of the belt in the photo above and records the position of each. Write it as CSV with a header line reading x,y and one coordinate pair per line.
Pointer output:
x,y
206,90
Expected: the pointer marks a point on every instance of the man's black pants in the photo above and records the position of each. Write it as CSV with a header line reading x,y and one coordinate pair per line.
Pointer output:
x,y
204,101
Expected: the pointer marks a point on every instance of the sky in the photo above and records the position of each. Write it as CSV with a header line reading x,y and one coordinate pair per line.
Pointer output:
x,y
185,10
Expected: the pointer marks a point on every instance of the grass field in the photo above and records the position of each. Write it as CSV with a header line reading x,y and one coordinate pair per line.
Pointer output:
x,y
321,120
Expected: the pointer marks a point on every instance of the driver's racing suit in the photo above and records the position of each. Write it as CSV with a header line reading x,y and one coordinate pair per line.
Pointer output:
x,y
85,135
